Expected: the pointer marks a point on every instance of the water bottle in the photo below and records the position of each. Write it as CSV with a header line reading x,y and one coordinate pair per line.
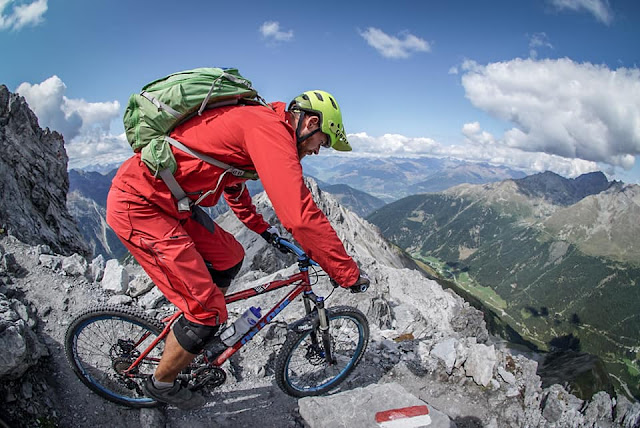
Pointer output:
x,y
242,325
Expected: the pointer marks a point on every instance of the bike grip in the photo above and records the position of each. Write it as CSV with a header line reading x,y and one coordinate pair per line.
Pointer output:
x,y
360,288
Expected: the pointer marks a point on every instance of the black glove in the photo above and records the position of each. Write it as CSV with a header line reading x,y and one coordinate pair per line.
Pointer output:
x,y
361,285
270,234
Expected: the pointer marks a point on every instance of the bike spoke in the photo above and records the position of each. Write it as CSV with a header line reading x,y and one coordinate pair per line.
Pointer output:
x,y
105,348
308,368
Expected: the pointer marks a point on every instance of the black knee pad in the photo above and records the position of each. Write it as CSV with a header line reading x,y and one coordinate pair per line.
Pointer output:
x,y
192,336
223,278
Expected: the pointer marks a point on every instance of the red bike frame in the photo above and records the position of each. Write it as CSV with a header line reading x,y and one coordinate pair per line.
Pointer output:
x,y
303,286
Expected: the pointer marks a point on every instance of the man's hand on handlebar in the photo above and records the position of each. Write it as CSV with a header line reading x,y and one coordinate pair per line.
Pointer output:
x,y
361,285
271,235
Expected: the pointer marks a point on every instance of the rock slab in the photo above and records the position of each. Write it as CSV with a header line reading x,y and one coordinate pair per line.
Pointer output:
x,y
367,407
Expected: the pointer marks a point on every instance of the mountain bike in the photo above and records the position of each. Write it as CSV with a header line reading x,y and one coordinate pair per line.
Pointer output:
x,y
113,348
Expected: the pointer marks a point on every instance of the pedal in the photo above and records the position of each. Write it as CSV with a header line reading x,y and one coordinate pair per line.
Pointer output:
x,y
211,377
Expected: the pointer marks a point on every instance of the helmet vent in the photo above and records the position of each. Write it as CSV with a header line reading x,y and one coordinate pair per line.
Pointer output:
x,y
333,103
319,96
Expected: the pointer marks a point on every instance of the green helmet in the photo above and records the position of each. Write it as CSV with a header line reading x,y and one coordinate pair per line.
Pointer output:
x,y
325,106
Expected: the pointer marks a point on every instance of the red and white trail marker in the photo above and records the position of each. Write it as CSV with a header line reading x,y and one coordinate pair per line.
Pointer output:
x,y
406,417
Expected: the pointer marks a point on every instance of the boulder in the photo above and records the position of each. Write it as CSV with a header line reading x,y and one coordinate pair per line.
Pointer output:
x,y
373,406
480,363
115,278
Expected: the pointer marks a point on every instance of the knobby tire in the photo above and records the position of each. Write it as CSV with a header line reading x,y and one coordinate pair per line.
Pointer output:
x,y
99,346
301,369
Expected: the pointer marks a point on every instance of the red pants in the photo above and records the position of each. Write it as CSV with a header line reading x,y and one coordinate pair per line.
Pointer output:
x,y
173,253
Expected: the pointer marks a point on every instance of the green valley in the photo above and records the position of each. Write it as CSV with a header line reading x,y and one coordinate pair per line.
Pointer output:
x,y
492,243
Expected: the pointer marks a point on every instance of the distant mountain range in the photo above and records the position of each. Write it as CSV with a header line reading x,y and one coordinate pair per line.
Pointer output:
x,y
392,178
362,184
557,258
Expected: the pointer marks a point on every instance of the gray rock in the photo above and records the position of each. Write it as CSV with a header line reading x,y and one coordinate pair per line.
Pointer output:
x,y
115,278
120,299
152,418
599,411
446,351
152,299
359,407
8,263
20,346
96,268
43,249
480,363
35,182
627,414
469,322
561,407
506,376
74,265
140,285
50,261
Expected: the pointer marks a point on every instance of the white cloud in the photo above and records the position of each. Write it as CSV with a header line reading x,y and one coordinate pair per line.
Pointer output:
x,y
538,40
598,8
86,150
47,99
84,125
483,146
561,107
270,30
95,116
394,47
479,146
393,144
22,15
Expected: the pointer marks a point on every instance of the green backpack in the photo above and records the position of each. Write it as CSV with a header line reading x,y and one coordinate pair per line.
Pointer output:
x,y
162,105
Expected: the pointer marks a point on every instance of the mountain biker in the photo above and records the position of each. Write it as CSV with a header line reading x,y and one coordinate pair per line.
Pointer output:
x,y
191,259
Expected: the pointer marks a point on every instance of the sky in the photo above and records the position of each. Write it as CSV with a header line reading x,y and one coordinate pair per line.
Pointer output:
x,y
532,84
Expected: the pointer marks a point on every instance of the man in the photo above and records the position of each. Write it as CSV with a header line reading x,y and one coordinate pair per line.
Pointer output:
x,y
193,261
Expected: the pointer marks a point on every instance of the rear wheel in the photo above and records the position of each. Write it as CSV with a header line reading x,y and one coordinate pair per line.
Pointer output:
x,y
103,342
301,367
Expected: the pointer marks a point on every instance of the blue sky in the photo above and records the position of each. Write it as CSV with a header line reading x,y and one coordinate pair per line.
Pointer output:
x,y
536,85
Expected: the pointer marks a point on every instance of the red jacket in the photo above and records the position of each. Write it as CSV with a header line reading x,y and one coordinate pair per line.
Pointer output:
x,y
254,138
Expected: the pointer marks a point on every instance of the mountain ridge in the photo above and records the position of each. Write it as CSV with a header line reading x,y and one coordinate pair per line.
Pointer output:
x,y
540,263
33,179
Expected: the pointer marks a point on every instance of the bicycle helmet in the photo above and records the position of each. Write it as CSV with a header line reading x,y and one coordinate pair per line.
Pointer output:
x,y
324,105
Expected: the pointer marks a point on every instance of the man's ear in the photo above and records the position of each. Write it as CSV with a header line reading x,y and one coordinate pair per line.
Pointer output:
x,y
313,123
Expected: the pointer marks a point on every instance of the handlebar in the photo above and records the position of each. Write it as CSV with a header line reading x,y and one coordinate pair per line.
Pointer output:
x,y
281,243
287,246
359,288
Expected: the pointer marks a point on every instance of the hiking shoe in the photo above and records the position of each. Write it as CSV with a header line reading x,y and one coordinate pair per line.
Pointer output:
x,y
177,395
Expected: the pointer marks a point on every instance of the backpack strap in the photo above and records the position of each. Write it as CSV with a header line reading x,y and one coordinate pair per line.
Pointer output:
x,y
250,175
160,105
184,203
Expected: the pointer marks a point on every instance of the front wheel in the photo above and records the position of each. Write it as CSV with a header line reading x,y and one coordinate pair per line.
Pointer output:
x,y
103,342
301,367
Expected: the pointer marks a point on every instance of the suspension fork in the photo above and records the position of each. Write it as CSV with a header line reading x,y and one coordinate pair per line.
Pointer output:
x,y
323,326
322,314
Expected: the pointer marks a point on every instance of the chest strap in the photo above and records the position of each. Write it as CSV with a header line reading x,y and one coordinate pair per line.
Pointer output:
x,y
184,203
